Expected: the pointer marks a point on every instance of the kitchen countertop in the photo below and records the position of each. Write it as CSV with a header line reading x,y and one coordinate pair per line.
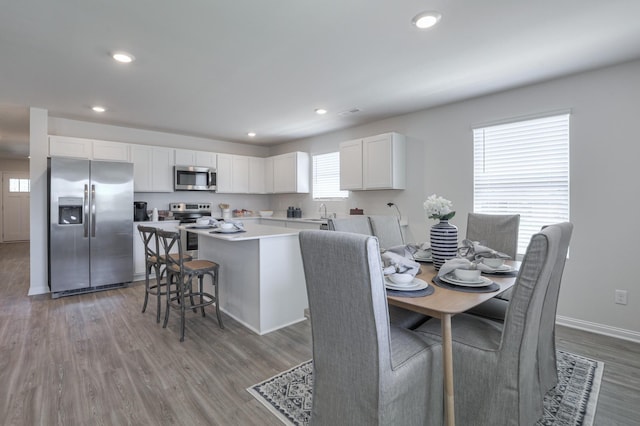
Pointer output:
x,y
253,231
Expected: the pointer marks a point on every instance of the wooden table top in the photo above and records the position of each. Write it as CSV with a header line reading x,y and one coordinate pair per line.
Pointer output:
x,y
445,301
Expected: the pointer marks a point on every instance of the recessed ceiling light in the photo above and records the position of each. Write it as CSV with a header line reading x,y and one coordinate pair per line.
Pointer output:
x,y
98,108
426,20
251,134
321,111
123,57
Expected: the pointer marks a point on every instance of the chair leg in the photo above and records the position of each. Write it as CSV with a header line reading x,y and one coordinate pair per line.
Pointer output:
x,y
191,293
146,287
201,280
215,283
182,309
158,292
167,306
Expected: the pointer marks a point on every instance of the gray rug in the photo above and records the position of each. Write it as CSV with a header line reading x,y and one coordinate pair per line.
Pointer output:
x,y
571,403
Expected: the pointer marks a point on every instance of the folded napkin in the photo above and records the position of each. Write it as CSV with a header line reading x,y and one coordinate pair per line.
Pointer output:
x,y
474,250
394,263
463,263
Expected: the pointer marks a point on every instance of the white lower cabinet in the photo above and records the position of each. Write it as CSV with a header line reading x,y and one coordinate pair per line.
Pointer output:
x,y
138,245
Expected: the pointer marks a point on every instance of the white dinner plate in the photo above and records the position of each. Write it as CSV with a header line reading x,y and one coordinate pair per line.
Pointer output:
x,y
227,231
416,284
502,269
451,279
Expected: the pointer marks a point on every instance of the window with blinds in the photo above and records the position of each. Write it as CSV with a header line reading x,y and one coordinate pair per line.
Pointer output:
x,y
523,167
326,176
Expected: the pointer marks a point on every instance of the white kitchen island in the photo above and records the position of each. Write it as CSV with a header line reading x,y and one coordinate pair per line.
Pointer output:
x,y
261,280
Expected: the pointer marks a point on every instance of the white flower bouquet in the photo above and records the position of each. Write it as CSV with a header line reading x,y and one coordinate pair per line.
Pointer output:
x,y
438,208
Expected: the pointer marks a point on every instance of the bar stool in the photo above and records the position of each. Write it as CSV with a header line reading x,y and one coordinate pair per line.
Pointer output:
x,y
154,260
180,274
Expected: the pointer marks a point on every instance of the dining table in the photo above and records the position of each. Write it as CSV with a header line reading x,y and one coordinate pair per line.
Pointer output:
x,y
443,304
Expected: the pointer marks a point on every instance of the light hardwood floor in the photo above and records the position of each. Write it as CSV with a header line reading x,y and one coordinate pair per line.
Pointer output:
x,y
95,359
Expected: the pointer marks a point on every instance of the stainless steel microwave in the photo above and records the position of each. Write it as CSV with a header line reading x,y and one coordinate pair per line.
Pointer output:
x,y
189,178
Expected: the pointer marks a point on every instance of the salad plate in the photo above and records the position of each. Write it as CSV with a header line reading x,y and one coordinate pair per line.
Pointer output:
x,y
450,278
416,284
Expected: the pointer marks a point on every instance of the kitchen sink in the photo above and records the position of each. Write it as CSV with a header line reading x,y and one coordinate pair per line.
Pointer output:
x,y
316,219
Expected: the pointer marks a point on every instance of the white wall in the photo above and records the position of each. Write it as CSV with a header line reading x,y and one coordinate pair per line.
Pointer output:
x,y
14,165
605,107
38,150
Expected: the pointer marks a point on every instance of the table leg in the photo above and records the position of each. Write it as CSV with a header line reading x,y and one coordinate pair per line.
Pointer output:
x,y
447,364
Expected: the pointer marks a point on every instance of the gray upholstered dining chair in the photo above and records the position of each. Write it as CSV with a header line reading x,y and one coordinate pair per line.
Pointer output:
x,y
362,225
497,231
366,372
387,229
358,224
496,309
496,380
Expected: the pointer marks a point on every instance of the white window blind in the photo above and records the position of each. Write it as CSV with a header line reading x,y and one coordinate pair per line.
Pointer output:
x,y
326,176
523,167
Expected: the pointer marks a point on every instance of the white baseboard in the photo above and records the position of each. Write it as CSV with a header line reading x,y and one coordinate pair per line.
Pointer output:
x,y
593,327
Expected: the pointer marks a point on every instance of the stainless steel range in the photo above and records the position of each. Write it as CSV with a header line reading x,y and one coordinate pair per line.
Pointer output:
x,y
189,213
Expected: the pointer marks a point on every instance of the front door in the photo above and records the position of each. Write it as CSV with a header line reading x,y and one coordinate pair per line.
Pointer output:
x,y
15,206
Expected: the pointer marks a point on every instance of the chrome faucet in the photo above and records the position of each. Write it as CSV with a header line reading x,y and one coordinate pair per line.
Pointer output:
x,y
323,206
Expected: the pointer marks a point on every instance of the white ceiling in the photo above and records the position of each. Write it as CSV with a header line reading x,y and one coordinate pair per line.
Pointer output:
x,y
219,69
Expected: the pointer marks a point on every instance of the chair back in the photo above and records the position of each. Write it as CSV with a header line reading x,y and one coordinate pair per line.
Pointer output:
x,y
357,224
388,230
518,350
499,232
349,320
169,240
149,237
546,345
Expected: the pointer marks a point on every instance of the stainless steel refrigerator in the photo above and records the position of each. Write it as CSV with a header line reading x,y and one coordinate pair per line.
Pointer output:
x,y
90,225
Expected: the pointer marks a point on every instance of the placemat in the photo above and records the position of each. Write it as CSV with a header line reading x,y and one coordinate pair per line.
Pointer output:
x,y
502,274
416,293
486,289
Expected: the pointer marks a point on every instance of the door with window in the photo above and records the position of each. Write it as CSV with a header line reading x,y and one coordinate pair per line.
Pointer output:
x,y
16,187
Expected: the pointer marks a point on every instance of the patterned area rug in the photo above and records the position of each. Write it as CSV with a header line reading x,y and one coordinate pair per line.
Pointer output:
x,y
571,403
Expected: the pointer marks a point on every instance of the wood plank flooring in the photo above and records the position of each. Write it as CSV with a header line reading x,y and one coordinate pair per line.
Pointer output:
x,y
95,359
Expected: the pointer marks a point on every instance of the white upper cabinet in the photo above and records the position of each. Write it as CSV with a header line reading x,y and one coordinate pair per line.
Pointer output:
x,y
257,175
233,174
291,173
268,175
110,151
65,146
375,162
351,165
187,157
152,168
224,175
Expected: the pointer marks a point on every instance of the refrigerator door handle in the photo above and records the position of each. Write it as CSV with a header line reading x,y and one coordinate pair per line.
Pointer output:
x,y
93,210
86,211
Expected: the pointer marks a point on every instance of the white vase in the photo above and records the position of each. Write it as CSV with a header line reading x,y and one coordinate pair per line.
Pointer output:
x,y
444,242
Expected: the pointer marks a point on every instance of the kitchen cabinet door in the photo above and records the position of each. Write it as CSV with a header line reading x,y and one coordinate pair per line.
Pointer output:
x,y
64,146
224,175
152,168
110,151
375,162
185,157
256,175
291,173
384,162
206,159
240,174
351,165
268,175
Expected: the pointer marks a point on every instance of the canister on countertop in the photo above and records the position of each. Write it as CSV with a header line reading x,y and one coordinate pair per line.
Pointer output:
x,y
297,213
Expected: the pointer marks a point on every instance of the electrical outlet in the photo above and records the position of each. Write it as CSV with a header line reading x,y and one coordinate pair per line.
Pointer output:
x,y
621,297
